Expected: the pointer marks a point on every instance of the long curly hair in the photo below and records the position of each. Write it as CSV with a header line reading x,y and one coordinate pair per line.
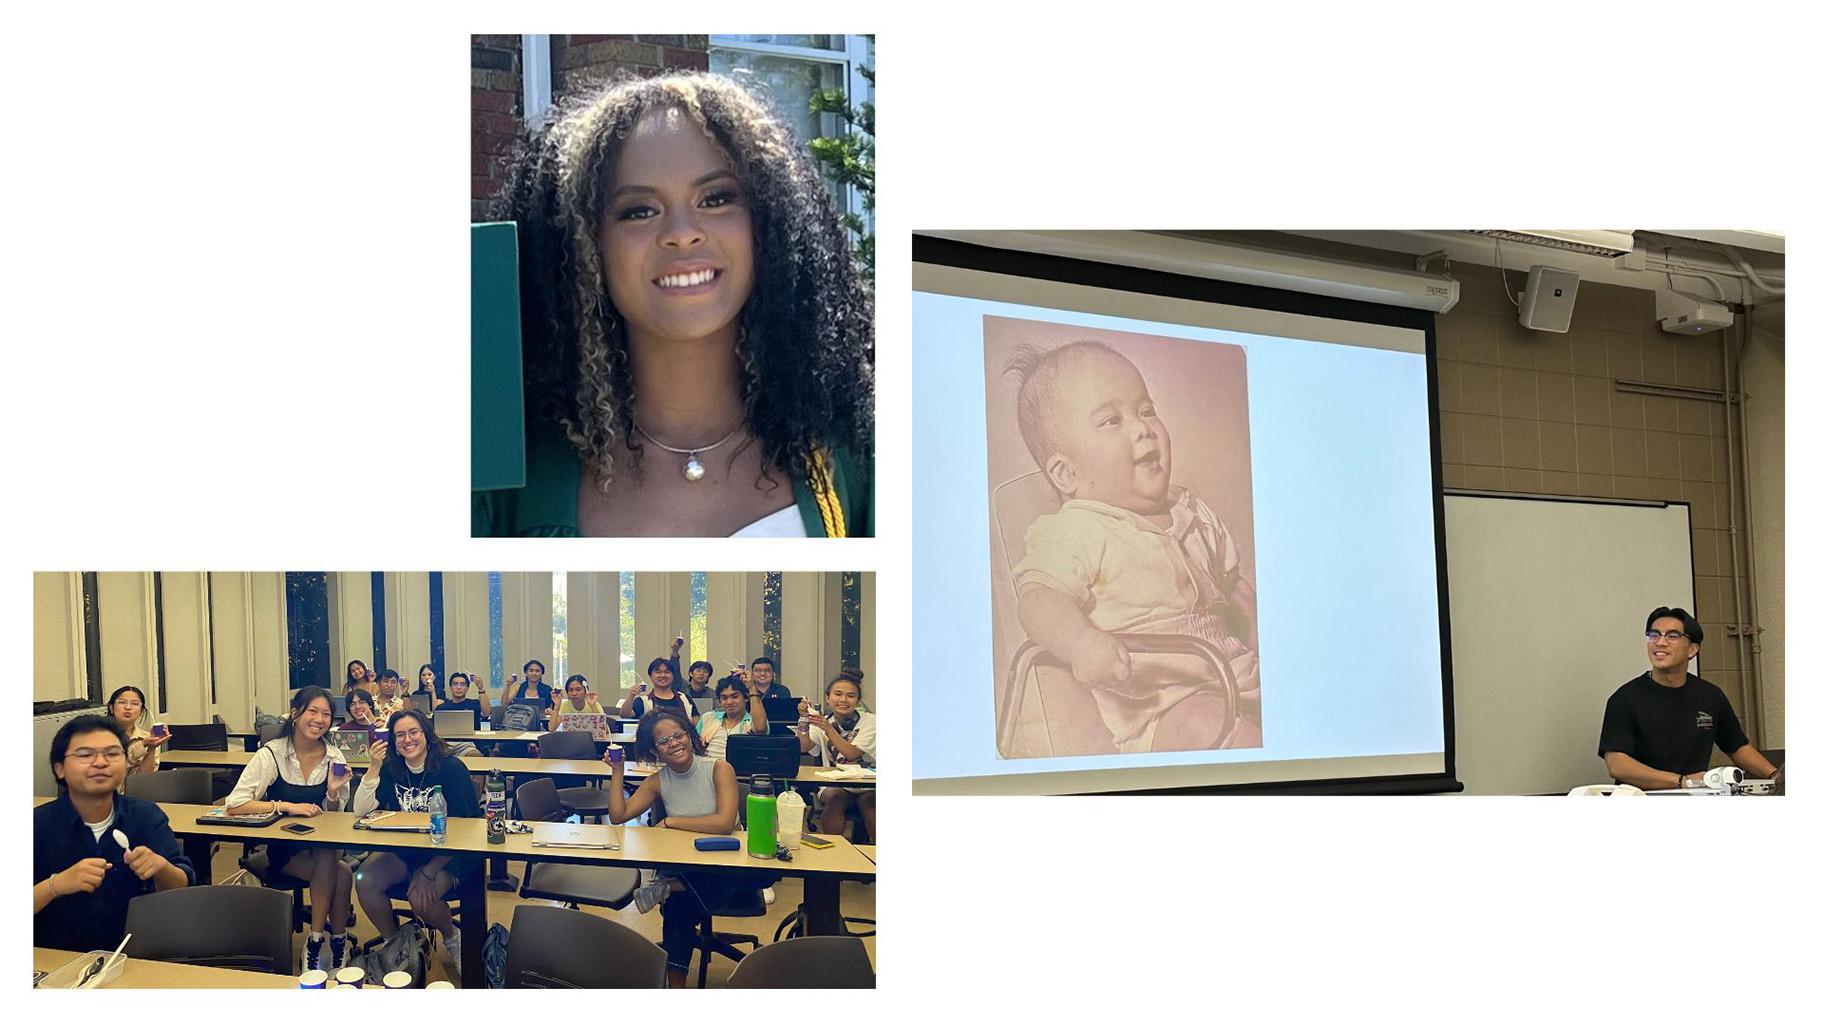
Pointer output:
x,y
806,328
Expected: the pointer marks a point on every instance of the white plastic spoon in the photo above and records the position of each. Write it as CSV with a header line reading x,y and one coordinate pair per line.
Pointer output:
x,y
121,839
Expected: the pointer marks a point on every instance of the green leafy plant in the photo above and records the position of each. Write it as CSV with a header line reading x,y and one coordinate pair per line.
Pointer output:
x,y
848,159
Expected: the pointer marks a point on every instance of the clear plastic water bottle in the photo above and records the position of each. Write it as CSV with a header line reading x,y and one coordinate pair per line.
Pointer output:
x,y
440,814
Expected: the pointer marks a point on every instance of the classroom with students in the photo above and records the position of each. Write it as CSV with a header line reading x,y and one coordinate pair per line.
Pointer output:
x,y
1467,511
402,780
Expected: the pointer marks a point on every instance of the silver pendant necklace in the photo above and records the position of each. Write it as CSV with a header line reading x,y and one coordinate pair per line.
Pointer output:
x,y
693,467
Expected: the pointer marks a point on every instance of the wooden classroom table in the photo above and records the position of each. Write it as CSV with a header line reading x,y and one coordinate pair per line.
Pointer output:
x,y
146,973
479,765
645,847
865,849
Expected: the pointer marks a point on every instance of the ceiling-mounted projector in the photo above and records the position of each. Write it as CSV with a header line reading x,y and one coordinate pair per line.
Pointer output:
x,y
1684,315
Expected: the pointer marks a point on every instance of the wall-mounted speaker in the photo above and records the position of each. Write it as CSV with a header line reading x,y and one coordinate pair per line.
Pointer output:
x,y
1546,303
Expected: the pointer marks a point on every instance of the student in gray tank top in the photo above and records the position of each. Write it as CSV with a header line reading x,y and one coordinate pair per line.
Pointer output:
x,y
700,795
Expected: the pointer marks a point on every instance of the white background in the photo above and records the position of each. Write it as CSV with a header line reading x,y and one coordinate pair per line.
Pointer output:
x,y
236,266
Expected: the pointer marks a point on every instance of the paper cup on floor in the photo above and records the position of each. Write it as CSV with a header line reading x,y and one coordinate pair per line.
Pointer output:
x,y
316,979
440,985
398,981
351,977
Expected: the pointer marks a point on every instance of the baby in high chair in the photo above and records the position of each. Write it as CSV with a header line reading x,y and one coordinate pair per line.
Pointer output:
x,y
1127,552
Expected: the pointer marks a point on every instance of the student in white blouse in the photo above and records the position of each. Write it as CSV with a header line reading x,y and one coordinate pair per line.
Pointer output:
x,y
843,735
298,773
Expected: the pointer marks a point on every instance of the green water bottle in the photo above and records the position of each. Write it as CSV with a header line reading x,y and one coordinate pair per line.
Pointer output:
x,y
762,819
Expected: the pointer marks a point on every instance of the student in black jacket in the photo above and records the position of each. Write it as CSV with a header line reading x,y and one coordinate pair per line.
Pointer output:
x,y
82,877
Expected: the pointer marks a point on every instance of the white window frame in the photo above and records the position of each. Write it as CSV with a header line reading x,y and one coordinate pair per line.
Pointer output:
x,y
848,59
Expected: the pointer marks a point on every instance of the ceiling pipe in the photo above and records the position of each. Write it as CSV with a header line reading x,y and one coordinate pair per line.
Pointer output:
x,y
1752,275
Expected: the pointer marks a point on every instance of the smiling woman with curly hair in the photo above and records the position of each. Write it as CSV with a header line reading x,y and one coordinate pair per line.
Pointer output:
x,y
696,332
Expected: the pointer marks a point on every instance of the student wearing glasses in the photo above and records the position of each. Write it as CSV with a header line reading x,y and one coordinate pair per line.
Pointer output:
x,y
93,849
459,700
700,795
401,779
1658,728
299,773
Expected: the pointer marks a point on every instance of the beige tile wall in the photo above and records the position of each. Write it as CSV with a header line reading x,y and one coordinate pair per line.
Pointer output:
x,y
1536,411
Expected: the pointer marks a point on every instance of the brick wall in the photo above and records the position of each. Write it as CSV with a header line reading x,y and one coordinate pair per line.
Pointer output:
x,y
579,59
1535,411
495,113
496,105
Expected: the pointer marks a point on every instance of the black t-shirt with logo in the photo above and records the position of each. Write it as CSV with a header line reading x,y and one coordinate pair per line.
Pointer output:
x,y
1670,729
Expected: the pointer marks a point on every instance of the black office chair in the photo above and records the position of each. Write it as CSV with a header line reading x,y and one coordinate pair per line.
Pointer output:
x,y
254,859
198,737
604,886
742,903
811,963
190,785
269,731
225,927
205,737
564,948
577,798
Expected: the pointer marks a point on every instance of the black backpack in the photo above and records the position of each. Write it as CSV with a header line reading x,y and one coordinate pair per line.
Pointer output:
x,y
519,717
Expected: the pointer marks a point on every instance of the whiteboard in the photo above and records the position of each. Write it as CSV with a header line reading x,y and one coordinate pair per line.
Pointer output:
x,y
1548,606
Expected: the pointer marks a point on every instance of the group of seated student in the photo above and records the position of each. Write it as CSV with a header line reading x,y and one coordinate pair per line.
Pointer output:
x,y
84,878
384,692
95,849
299,773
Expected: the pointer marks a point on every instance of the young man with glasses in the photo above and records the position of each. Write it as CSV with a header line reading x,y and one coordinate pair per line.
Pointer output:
x,y
85,873
1658,727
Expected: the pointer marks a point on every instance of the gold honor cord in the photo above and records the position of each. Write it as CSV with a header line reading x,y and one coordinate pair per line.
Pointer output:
x,y
824,488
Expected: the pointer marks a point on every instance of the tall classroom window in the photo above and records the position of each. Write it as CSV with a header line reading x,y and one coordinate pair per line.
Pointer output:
x,y
307,629
560,629
699,618
770,593
436,579
496,643
629,676
379,593
851,618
